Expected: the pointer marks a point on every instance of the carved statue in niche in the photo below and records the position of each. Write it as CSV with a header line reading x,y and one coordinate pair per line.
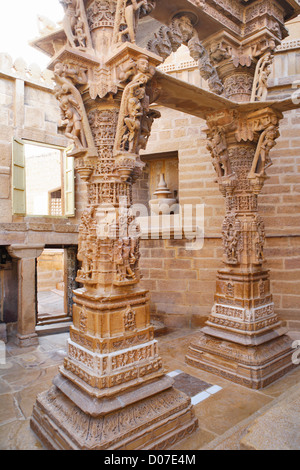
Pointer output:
x,y
87,232
266,142
124,259
260,84
232,239
217,145
129,319
128,13
259,239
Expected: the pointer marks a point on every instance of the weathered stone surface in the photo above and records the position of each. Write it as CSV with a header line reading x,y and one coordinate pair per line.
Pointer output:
x,y
277,428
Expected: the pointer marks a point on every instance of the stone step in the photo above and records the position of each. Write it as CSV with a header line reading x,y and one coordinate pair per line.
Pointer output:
x,y
49,329
51,319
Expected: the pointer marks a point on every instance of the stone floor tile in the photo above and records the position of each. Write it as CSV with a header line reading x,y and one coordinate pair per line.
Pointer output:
x,y
18,436
9,410
228,407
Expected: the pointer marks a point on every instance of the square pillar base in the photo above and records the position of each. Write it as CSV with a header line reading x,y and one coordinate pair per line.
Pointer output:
x,y
152,418
252,366
25,341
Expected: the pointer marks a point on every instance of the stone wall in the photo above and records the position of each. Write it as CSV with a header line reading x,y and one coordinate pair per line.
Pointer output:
x,y
50,266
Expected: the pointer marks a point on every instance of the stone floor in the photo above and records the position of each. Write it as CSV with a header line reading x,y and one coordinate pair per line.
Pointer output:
x,y
226,411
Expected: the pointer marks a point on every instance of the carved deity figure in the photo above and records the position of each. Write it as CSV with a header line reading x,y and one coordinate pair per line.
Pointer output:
x,y
231,238
125,258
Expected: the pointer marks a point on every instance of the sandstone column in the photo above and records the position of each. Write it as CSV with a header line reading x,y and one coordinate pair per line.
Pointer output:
x,y
26,255
243,339
111,391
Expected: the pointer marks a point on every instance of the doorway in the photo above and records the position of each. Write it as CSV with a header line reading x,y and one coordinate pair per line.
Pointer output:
x,y
55,281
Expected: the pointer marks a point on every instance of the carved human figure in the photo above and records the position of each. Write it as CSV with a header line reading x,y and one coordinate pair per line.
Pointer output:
x,y
80,34
74,128
127,257
260,84
218,149
123,260
130,19
134,106
74,24
133,119
231,243
266,142
70,102
70,19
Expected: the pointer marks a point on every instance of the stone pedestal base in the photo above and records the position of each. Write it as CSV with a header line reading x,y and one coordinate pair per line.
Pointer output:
x,y
153,417
252,366
25,341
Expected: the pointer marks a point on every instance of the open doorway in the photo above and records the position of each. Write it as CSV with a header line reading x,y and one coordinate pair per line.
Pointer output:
x,y
55,282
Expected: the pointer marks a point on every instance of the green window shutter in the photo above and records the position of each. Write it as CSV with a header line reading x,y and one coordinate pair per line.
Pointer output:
x,y
69,185
18,178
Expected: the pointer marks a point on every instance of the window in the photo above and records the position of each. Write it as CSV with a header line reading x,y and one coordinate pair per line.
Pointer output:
x,y
55,203
43,180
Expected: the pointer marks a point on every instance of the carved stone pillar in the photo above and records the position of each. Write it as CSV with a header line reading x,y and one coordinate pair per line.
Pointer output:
x,y
243,340
111,391
26,256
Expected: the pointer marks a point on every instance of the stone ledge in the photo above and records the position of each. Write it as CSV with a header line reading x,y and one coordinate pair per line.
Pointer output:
x,y
278,428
